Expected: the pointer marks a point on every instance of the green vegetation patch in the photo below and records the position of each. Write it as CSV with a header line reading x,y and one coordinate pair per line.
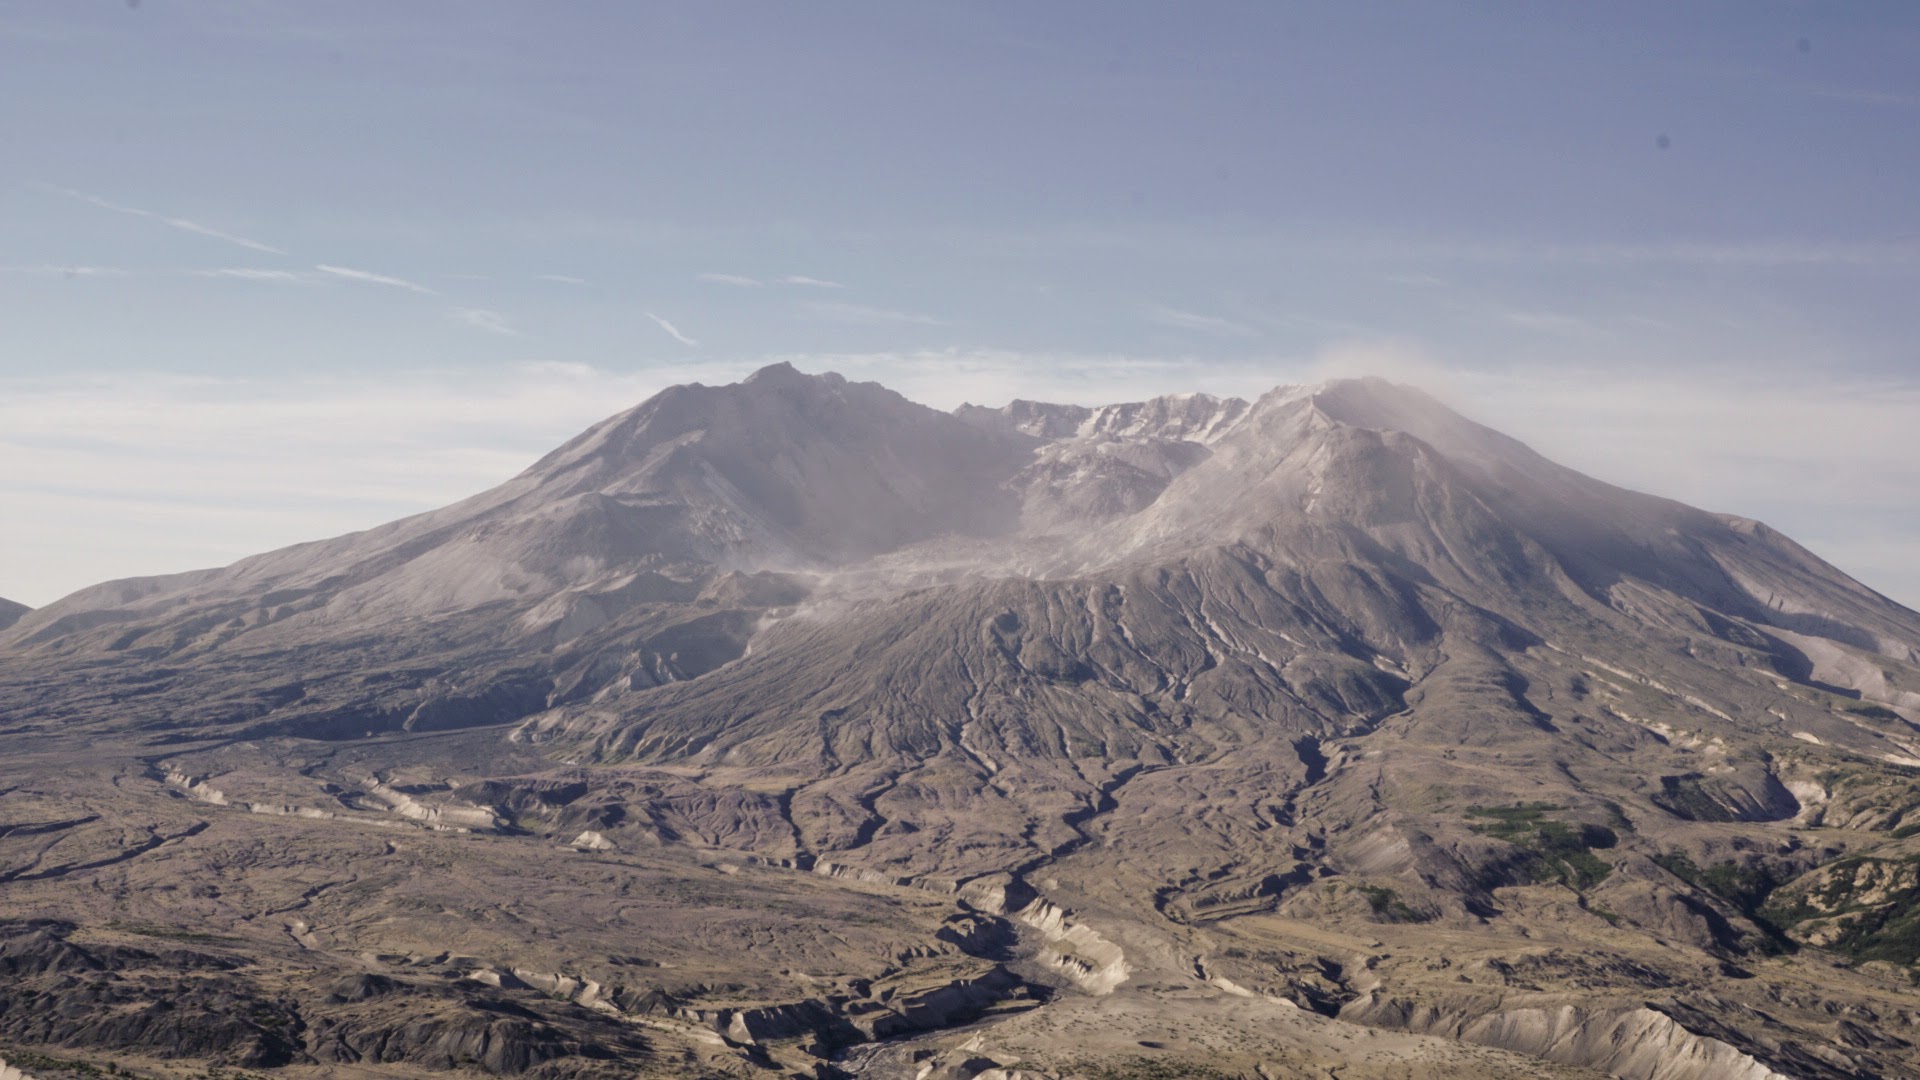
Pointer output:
x,y
1905,820
1388,906
1524,814
1617,818
1562,851
1864,909
1745,887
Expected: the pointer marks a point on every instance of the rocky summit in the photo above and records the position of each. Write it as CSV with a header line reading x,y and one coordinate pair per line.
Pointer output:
x,y
790,728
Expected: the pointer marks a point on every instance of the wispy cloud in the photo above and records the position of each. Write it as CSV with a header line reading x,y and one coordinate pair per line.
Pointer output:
x,y
745,282
52,270
1547,322
183,224
372,278
740,280
204,230
864,315
563,368
1759,255
248,273
673,331
236,273
1189,320
482,319
564,279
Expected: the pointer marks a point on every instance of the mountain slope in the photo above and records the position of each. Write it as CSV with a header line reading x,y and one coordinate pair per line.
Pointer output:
x,y
782,470
653,534
10,612
1335,698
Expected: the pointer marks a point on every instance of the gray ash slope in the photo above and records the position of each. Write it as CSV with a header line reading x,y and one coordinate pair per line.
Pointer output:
x,y
10,612
649,549
1334,697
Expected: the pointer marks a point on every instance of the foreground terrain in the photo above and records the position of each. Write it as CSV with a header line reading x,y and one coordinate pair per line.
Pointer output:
x,y
790,728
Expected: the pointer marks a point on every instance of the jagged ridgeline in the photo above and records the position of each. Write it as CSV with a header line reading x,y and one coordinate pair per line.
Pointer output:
x,y
792,721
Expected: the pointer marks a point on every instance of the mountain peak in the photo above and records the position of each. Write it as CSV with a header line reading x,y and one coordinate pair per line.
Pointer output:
x,y
10,612
784,374
1370,397
1039,419
1376,404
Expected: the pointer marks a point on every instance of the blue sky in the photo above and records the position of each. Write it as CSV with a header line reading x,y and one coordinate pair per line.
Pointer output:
x,y
270,271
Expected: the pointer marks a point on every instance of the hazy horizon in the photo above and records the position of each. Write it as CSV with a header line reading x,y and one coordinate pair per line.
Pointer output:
x,y
277,272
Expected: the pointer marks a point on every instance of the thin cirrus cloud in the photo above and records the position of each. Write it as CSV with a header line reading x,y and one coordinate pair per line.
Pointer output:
x,y
673,331
1547,322
482,319
1757,256
183,224
745,282
738,280
249,273
372,278
866,315
236,273
52,270
562,279
1190,320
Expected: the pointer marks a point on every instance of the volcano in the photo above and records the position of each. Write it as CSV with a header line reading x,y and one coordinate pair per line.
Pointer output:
x,y
793,725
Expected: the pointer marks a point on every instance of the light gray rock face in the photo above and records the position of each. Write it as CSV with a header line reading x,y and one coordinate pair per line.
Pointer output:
x,y
1333,702
793,473
783,471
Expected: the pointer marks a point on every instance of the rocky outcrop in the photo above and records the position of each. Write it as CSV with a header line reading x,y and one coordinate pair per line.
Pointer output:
x,y
1075,949
941,1006
201,789
503,1041
1628,1042
450,815
1072,948
216,1018
749,1026
119,999
1746,792
844,1020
